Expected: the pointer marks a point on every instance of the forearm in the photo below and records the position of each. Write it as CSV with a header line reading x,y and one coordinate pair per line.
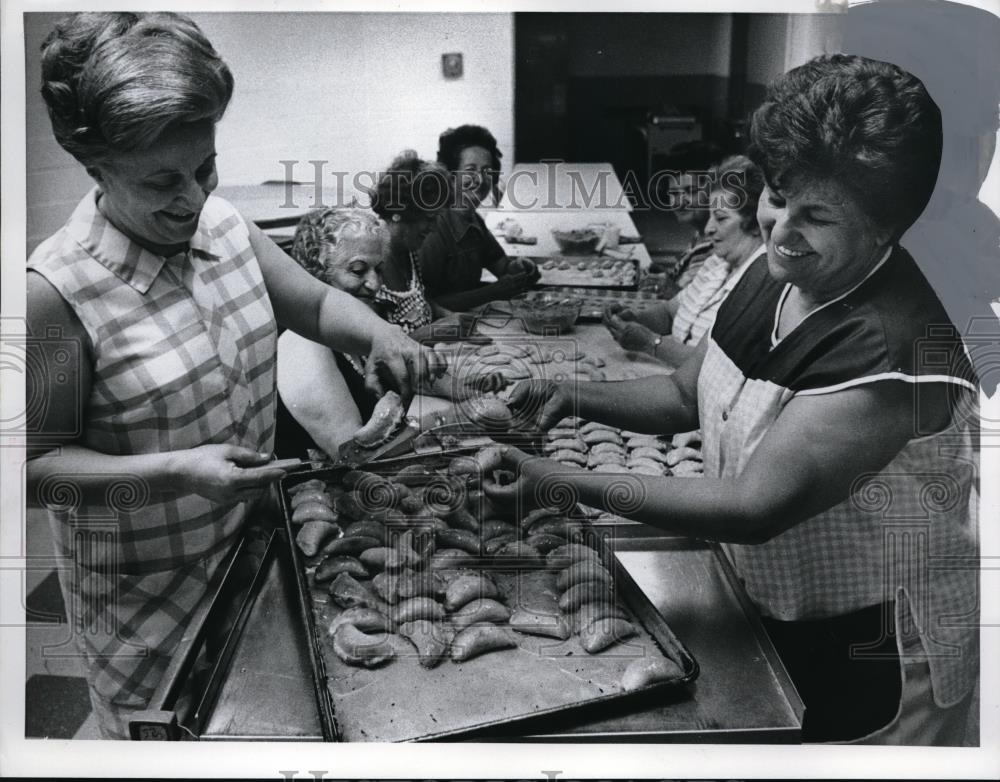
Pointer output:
x,y
498,265
329,429
658,318
703,508
345,324
93,472
672,352
654,405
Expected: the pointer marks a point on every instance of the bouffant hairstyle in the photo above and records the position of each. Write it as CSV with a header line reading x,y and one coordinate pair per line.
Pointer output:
x,y
454,140
412,189
114,82
319,232
869,125
742,181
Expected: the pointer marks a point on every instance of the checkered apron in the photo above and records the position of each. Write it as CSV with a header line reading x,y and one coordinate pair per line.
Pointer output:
x,y
408,309
183,356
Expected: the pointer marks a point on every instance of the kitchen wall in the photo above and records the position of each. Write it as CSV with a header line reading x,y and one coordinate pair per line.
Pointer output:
x,y
780,42
351,89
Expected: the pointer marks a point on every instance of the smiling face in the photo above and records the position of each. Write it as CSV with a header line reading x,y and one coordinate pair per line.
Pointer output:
x,y
475,173
155,196
354,265
724,229
680,193
818,239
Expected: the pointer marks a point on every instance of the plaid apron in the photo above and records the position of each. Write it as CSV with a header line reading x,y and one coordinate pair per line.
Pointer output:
x,y
183,356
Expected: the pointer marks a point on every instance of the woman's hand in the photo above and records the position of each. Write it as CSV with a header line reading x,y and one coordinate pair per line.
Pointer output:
x,y
225,473
629,333
544,401
523,266
517,492
395,361
531,481
519,277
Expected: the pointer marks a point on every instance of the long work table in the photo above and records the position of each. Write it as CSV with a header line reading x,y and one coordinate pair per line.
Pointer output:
x,y
265,688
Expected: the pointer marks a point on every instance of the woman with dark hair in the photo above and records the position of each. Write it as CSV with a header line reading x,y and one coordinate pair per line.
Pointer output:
x,y
460,246
670,331
471,153
838,410
172,301
409,196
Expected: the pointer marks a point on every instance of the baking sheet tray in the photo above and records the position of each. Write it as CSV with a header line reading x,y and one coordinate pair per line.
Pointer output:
x,y
594,300
588,271
542,678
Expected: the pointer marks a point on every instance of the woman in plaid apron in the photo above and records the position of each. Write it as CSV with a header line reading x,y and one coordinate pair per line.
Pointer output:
x,y
158,422
838,410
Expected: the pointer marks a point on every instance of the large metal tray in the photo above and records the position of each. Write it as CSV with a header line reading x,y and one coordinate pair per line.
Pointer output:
x,y
541,681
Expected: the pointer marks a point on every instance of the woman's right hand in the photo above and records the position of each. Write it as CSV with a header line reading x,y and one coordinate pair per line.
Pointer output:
x,y
544,401
511,285
396,359
225,473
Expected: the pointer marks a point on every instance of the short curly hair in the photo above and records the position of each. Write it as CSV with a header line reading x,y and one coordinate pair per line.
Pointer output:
x,y
739,177
114,82
322,229
454,140
869,125
411,188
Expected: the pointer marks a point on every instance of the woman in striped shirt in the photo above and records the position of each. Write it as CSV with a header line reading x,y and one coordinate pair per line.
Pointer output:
x,y
670,331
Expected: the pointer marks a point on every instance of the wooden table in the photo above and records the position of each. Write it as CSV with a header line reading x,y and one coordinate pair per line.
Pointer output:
x,y
559,185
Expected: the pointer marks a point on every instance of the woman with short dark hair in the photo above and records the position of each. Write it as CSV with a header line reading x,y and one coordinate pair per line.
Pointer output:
x,y
173,300
838,410
460,246
409,196
472,154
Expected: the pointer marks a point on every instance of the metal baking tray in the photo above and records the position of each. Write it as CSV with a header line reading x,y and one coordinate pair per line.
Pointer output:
x,y
584,278
542,680
594,300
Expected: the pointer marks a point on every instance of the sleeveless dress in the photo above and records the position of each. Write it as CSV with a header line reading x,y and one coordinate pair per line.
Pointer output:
x,y
184,355
907,536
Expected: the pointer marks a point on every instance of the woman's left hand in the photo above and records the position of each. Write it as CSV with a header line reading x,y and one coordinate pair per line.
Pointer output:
x,y
630,334
395,361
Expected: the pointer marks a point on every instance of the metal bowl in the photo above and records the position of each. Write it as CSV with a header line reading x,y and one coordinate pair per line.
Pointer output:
x,y
578,241
546,314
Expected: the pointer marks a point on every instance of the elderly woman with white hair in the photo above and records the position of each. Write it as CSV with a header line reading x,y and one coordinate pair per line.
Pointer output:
x,y
322,399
